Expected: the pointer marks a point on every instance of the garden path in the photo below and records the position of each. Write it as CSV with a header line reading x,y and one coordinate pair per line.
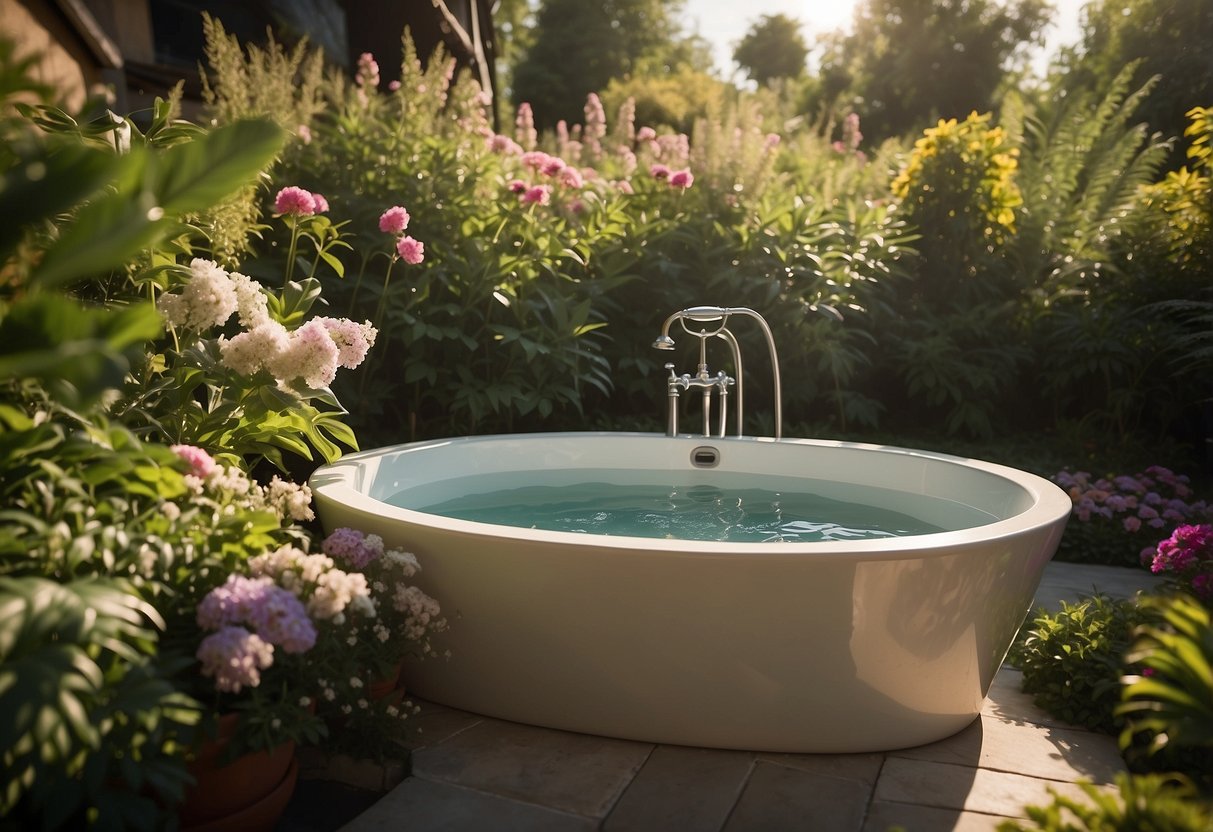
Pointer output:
x,y
475,773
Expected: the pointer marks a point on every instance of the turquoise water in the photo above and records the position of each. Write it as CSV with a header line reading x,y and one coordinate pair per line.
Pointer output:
x,y
733,508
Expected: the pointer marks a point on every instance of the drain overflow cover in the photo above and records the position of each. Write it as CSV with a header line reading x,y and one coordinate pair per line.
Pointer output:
x,y
705,456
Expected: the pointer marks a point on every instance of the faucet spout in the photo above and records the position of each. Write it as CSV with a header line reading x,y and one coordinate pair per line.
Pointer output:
x,y
709,314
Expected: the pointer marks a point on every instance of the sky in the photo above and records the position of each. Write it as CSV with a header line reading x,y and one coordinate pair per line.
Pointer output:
x,y
724,22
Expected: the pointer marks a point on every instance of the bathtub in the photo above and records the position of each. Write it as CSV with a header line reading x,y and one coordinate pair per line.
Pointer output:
x,y
844,646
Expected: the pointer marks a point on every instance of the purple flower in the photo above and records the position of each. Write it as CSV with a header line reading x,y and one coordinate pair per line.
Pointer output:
x,y
280,618
230,603
394,220
351,547
410,250
295,202
235,657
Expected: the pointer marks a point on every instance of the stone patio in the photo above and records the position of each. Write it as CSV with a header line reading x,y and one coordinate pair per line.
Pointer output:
x,y
475,773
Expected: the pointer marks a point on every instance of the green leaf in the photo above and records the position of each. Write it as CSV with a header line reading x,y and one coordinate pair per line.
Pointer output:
x,y
196,175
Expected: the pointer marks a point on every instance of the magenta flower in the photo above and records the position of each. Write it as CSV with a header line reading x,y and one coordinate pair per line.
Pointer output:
x,y
537,195
659,171
394,220
201,463
517,186
553,166
410,250
682,179
294,202
322,204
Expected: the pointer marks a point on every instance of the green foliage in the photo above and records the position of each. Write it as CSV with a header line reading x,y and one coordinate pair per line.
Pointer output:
x,y
611,39
909,62
1165,38
1072,660
1164,803
1168,707
89,721
772,48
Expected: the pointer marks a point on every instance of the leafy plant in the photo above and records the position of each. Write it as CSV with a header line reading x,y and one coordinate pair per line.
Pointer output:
x,y
1168,707
1165,803
1073,659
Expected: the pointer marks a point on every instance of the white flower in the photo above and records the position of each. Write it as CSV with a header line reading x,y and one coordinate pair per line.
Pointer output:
x,y
310,355
251,303
255,349
209,298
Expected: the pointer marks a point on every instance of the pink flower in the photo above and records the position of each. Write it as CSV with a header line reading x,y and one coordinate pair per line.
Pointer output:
x,y
498,143
1132,524
304,133
410,250
201,463
553,166
393,85
367,74
659,171
1202,585
536,159
517,186
294,201
235,657
570,178
624,186
646,134
537,195
394,220
682,179
322,204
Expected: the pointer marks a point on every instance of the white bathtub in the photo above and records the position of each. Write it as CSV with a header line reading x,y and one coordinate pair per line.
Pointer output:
x,y
859,645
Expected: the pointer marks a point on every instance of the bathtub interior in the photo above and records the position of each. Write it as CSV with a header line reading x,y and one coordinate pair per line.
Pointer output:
x,y
950,493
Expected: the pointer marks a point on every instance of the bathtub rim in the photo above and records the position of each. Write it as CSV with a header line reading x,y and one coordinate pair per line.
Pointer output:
x,y
334,483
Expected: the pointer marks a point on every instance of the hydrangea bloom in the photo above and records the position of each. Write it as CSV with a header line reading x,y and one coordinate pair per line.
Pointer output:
x,y
209,298
257,349
252,306
235,658
410,250
394,220
294,201
353,340
230,603
350,547
281,619
310,355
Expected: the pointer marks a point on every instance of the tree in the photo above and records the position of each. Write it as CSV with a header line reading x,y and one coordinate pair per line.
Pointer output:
x,y
1170,38
578,47
910,62
773,48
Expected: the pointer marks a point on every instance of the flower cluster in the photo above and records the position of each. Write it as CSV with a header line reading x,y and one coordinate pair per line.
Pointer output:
x,y
293,201
1186,559
310,353
206,476
1154,499
394,221
405,614
249,617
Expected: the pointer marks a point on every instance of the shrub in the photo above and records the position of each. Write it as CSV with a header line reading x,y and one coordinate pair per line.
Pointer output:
x,y
1164,803
1073,659
1168,706
1116,517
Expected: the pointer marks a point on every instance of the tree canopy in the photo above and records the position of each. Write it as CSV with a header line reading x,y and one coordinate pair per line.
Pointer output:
x,y
578,47
909,62
773,48
1170,38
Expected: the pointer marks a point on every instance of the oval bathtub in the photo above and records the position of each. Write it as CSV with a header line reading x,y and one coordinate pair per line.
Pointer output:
x,y
855,645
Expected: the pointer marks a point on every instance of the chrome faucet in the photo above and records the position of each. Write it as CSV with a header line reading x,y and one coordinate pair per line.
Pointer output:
x,y
703,379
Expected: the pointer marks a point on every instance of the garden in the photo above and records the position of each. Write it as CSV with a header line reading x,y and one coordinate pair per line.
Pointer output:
x,y
194,315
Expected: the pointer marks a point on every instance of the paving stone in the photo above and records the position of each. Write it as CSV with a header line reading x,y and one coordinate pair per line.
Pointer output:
x,y
1034,750
434,724
687,789
861,767
885,816
949,786
1071,581
566,771
1007,701
418,804
779,797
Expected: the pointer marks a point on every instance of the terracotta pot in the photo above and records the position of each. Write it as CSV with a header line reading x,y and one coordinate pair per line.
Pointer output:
x,y
382,688
248,787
